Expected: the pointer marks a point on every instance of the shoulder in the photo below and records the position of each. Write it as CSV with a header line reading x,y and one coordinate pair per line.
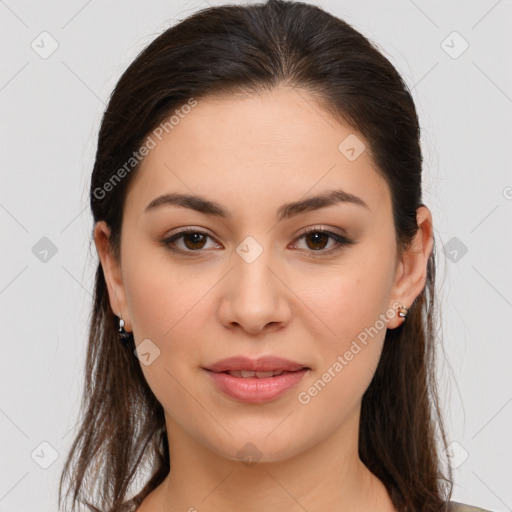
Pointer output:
x,y
462,507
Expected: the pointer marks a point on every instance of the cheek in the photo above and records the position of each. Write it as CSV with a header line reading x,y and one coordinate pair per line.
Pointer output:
x,y
347,300
348,356
163,297
352,304
169,305
166,308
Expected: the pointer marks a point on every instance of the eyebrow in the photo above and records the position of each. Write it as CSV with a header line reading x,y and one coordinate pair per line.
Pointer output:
x,y
286,211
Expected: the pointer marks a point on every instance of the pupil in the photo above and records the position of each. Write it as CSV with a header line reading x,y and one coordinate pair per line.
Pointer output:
x,y
195,238
316,237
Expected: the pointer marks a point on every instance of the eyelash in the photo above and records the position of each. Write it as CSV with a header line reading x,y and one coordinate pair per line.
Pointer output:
x,y
340,241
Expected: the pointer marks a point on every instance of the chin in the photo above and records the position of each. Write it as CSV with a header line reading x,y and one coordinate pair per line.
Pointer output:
x,y
259,447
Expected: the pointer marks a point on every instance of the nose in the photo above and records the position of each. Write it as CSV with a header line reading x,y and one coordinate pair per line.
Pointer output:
x,y
255,297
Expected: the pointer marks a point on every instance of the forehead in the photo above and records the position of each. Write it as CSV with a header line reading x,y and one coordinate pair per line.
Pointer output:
x,y
253,148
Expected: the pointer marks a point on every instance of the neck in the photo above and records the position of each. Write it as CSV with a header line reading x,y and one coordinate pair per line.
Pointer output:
x,y
326,476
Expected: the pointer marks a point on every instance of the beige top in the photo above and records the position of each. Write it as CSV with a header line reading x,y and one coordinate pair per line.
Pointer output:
x,y
454,507
462,507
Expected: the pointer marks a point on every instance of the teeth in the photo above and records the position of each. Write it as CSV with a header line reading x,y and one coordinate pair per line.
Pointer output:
x,y
249,373
264,375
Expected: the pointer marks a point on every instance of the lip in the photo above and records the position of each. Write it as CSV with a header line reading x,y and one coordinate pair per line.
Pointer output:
x,y
262,364
254,389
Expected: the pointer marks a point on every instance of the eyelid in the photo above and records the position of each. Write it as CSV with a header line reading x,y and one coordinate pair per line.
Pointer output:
x,y
340,240
322,228
168,239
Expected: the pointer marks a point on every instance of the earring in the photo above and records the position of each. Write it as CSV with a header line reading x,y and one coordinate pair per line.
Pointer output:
x,y
124,337
402,311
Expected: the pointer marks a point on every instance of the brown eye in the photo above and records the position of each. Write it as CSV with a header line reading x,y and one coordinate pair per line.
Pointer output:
x,y
318,239
192,240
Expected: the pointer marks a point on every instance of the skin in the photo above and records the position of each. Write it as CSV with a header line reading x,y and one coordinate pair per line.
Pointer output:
x,y
252,154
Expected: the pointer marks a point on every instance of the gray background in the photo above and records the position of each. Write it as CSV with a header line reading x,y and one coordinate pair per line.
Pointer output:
x,y
50,111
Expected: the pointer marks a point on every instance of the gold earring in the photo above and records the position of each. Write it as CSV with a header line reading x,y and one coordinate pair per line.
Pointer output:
x,y
402,311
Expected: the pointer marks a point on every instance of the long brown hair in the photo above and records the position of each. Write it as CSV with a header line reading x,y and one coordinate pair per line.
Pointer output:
x,y
250,49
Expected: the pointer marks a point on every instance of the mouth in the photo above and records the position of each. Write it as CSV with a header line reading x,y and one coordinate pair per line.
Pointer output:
x,y
256,381
247,374
264,367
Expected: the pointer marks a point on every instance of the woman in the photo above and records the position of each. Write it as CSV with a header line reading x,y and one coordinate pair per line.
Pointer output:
x,y
262,336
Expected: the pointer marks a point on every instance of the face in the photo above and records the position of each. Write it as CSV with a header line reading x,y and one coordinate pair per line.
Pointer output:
x,y
253,282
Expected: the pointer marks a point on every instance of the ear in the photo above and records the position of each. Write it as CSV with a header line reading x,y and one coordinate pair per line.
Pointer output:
x,y
411,271
112,272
